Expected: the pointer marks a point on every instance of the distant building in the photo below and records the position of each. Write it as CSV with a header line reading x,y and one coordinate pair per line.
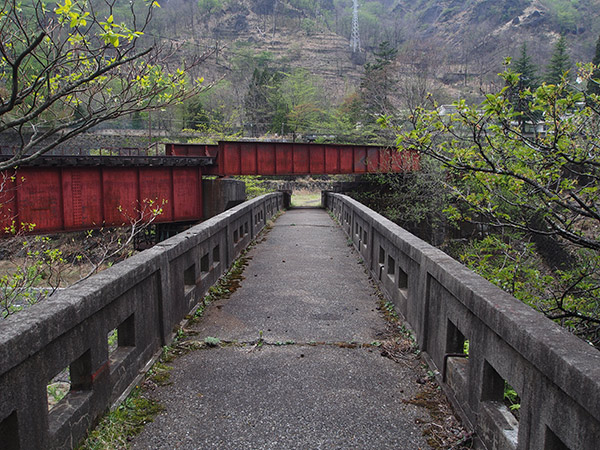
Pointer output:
x,y
446,110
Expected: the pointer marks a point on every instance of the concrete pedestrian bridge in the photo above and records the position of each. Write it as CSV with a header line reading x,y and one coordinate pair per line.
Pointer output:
x,y
299,364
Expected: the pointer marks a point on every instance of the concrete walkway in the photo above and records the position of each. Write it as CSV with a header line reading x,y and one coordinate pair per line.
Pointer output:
x,y
307,292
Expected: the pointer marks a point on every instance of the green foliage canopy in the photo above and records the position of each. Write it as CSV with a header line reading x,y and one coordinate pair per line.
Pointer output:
x,y
539,182
542,181
68,67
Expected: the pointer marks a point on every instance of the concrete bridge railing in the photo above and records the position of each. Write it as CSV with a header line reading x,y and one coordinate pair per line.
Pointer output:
x,y
144,298
556,375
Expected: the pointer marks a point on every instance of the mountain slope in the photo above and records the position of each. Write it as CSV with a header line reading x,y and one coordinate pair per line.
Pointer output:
x,y
466,40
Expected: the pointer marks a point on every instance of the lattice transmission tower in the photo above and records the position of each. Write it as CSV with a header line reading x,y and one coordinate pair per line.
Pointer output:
x,y
355,38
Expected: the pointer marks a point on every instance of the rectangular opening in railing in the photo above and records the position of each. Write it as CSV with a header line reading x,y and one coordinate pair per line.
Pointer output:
x,y
121,342
189,279
9,432
216,256
79,376
497,418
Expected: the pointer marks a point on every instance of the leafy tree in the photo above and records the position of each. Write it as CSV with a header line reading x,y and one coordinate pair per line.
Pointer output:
x,y
510,261
378,82
346,122
413,200
564,15
551,177
593,84
261,103
301,97
513,262
67,69
351,108
545,185
559,64
209,6
35,269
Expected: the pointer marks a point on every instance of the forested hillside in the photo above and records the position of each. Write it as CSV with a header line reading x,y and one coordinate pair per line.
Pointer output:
x,y
287,65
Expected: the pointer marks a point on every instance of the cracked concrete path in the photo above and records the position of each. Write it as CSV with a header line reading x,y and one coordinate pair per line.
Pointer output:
x,y
306,290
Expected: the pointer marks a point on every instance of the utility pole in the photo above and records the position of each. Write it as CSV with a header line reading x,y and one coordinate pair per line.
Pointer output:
x,y
355,38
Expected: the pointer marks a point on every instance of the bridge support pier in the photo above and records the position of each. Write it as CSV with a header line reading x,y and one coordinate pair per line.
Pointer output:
x,y
287,197
220,194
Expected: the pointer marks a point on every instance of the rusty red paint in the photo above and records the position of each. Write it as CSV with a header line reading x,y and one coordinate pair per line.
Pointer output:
x,y
101,369
191,150
286,158
81,198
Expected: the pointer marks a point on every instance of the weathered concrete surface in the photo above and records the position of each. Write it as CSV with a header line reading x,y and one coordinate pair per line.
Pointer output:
x,y
446,304
304,284
143,297
220,194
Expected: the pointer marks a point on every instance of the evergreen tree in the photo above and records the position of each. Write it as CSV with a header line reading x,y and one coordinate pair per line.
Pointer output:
x,y
384,55
593,87
194,114
516,92
559,63
527,69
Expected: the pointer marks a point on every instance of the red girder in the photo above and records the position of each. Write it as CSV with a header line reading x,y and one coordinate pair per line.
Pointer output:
x,y
286,158
80,198
77,193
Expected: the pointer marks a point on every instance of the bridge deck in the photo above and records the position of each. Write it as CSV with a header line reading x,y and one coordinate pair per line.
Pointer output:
x,y
305,288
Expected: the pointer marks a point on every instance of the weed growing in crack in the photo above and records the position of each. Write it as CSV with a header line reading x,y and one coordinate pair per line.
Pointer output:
x,y
333,217
390,310
56,392
167,354
118,427
223,288
260,341
212,341
159,374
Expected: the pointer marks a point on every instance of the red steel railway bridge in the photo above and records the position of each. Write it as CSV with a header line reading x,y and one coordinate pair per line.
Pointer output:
x,y
69,193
